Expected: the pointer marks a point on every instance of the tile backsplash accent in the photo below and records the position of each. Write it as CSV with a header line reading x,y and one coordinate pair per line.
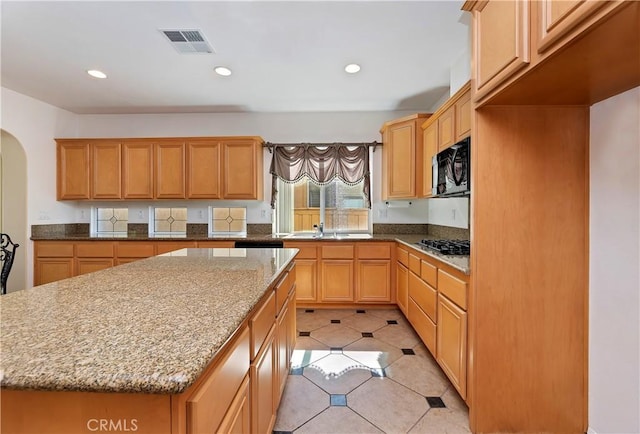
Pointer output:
x,y
197,229
448,233
259,228
138,229
384,228
38,231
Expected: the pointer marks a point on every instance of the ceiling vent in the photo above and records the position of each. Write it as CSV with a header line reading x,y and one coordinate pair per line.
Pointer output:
x,y
188,41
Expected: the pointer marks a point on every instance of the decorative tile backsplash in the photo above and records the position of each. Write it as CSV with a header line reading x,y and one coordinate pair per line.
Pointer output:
x,y
170,220
228,220
109,220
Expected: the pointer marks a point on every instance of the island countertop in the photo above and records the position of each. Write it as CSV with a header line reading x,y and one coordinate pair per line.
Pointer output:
x,y
150,326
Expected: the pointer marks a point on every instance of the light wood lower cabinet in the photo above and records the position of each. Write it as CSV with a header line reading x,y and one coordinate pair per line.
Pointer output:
x,y
452,343
307,277
263,386
336,277
238,418
89,265
48,270
402,287
373,280
170,246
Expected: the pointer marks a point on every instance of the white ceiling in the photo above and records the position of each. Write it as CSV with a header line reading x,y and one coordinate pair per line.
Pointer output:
x,y
286,56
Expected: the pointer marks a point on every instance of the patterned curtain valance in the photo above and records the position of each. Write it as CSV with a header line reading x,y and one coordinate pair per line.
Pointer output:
x,y
321,164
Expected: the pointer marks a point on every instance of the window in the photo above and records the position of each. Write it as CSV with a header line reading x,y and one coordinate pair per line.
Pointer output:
x,y
170,221
109,221
227,221
341,207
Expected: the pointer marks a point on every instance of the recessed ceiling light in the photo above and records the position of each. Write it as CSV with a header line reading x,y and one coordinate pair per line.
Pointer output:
x,y
97,74
221,70
352,68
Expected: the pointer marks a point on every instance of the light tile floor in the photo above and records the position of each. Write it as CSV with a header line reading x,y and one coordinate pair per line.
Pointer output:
x,y
366,372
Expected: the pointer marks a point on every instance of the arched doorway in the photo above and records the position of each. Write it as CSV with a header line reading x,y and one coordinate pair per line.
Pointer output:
x,y
13,204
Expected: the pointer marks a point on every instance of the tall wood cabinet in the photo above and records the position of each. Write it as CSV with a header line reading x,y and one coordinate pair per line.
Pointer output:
x,y
169,170
137,170
402,157
242,174
203,169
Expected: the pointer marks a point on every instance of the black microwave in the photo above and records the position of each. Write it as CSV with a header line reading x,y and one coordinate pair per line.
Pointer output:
x,y
452,170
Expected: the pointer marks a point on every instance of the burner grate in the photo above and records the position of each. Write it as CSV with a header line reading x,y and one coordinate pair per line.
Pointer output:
x,y
447,247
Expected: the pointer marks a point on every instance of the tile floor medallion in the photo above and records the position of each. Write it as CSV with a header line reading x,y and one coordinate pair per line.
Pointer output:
x,y
366,372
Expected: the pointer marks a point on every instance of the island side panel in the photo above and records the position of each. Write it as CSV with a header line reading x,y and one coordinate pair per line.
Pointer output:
x,y
29,411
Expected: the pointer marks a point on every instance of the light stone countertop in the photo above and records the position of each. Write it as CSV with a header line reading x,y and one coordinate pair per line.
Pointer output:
x,y
150,326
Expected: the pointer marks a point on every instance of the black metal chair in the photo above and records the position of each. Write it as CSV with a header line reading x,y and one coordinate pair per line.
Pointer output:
x,y
7,255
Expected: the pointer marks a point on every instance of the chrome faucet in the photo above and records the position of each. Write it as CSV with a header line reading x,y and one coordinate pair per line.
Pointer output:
x,y
319,230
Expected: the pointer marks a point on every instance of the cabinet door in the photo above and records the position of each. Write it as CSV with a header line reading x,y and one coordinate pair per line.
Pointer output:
x,y
463,116
52,269
374,281
106,175
263,386
84,266
72,170
306,280
501,42
401,163
137,170
430,146
402,287
203,170
242,173
452,343
446,129
169,170
238,417
558,17
337,280
282,356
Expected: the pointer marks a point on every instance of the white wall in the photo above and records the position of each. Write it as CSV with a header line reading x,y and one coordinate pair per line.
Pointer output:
x,y
614,289
35,124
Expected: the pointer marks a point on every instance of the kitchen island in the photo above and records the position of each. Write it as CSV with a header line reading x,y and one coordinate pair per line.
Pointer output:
x,y
169,344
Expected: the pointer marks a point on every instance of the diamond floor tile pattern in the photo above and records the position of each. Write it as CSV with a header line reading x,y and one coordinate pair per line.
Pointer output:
x,y
342,382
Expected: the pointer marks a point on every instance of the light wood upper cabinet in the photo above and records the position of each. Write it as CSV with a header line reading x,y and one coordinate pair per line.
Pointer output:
x,y
558,17
430,146
164,168
169,170
106,174
242,172
137,169
463,115
401,157
501,42
72,170
203,169
446,128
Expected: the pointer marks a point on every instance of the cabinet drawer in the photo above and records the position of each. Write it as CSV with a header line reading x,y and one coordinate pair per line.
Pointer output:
x,y
282,291
338,252
423,295
54,250
454,288
374,250
307,250
98,249
414,263
134,250
429,273
208,405
403,256
261,323
423,325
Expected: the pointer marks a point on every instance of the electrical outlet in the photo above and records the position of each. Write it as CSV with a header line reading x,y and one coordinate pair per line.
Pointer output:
x,y
453,214
200,214
382,213
82,214
263,213
140,214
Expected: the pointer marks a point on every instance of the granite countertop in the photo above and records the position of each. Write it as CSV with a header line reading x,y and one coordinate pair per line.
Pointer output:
x,y
150,326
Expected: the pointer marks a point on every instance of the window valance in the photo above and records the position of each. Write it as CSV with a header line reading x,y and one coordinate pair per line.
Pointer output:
x,y
321,164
